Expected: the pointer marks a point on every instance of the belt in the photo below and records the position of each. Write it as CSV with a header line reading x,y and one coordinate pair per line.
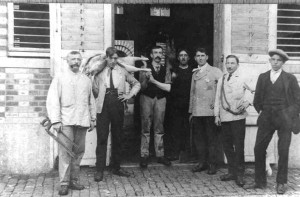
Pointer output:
x,y
111,91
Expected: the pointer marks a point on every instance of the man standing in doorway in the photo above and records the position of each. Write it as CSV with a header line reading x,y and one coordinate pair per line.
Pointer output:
x,y
202,99
71,109
180,97
277,100
232,99
110,93
152,106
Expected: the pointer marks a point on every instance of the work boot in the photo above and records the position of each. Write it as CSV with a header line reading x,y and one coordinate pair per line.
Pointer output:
x,y
240,181
98,176
200,167
164,161
227,177
212,169
74,185
280,188
144,162
64,190
121,172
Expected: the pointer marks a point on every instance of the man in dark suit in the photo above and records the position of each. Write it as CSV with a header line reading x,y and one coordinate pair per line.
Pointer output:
x,y
277,100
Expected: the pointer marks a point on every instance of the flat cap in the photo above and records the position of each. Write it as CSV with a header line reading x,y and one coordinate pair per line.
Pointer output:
x,y
279,52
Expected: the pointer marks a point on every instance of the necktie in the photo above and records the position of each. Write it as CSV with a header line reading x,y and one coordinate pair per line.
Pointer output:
x,y
229,77
111,83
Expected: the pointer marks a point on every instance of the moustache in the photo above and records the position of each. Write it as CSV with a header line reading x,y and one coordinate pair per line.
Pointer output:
x,y
157,58
73,65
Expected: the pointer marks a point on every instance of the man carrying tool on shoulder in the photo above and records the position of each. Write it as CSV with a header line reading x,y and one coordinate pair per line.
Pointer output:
x,y
71,109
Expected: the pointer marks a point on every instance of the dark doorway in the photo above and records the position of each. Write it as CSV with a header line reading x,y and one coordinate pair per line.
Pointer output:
x,y
190,26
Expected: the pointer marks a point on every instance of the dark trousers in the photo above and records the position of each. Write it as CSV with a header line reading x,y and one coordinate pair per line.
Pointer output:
x,y
205,136
233,140
268,122
112,113
180,130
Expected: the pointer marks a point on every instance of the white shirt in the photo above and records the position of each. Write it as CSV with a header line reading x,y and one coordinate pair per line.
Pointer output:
x,y
116,77
274,75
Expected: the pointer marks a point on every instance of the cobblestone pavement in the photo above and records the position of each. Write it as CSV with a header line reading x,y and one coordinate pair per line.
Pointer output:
x,y
157,180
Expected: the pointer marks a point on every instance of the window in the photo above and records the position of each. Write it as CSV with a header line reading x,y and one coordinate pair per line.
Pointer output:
x,y
288,29
29,29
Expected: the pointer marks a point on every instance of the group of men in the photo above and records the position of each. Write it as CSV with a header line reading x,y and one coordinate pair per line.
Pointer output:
x,y
203,98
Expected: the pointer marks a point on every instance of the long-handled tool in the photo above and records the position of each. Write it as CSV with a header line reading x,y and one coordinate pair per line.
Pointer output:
x,y
47,124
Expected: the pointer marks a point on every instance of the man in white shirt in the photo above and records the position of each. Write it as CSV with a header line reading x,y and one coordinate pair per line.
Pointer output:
x,y
231,103
277,100
71,109
109,89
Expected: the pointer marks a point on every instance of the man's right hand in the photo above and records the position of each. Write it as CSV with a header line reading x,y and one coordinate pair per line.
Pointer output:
x,y
217,121
57,126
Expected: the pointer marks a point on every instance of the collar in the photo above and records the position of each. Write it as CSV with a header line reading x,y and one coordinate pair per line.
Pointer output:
x,y
277,71
200,67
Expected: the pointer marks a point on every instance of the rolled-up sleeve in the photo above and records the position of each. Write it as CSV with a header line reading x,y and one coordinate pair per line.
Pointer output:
x,y
136,86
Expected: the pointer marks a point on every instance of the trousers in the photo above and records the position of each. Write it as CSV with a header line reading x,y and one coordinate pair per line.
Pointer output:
x,y
68,166
233,140
112,113
269,121
152,109
205,137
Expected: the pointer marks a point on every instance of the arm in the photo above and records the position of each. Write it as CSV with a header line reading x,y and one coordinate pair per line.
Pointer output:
x,y
164,86
95,85
295,91
53,101
136,86
218,99
258,91
191,95
143,80
92,109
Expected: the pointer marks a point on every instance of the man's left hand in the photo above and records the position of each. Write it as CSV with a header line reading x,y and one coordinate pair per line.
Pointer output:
x,y
93,124
243,106
124,97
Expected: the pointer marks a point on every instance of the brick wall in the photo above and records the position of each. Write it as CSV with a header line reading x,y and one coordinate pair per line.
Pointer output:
x,y
23,94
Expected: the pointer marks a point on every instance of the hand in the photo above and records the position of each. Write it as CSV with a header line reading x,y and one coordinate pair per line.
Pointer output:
x,y
151,79
243,106
93,124
217,121
148,74
57,127
124,97
190,118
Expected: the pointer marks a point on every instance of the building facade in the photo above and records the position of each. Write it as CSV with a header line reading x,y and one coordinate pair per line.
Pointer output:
x,y
34,41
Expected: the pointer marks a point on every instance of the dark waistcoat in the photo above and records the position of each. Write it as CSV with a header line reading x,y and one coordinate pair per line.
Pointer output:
x,y
274,96
153,91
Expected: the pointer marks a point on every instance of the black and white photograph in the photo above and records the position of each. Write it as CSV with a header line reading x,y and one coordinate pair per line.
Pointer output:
x,y
162,98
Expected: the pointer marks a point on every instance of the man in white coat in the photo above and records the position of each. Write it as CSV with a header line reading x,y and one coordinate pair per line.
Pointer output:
x,y
71,109
232,100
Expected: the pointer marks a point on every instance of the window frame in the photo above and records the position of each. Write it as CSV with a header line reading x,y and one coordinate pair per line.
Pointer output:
x,y
24,51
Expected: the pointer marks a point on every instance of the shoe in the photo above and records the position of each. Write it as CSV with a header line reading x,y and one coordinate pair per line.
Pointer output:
x,y
74,185
227,177
98,176
240,181
164,161
121,172
144,162
64,190
199,168
212,169
255,186
280,188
